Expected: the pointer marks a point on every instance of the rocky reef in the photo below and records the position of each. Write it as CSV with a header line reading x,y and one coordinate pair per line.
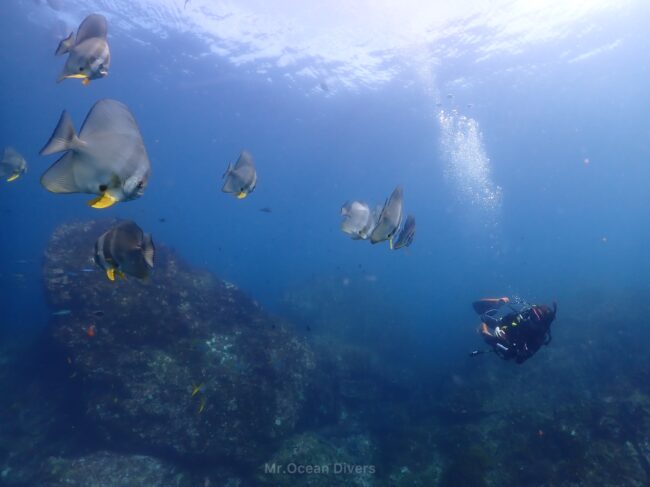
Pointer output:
x,y
183,380
183,363
105,469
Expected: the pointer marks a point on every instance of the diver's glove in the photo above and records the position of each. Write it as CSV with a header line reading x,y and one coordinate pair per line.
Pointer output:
x,y
499,332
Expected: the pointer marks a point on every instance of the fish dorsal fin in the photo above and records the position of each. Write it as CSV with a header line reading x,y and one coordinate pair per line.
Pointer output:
x,y
393,207
60,177
148,249
10,152
245,160
65,45
109,116
63,138
228,171
92,26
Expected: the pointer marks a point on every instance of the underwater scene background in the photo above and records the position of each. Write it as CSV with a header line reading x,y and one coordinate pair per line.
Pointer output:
x,y
269,348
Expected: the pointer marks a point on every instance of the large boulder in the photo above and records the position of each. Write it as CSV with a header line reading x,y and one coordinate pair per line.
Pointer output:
x,y
105,469
183,363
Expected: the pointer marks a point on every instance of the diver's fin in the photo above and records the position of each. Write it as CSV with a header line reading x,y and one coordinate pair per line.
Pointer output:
x,y
63,138
110,273
59,178
65,45
148,249
13,177
486,304
104,200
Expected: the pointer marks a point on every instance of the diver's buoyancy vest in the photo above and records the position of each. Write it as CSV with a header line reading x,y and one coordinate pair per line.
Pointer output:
x,y
507,315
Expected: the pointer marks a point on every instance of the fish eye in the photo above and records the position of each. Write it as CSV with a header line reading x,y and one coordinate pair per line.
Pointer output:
x,y
140,185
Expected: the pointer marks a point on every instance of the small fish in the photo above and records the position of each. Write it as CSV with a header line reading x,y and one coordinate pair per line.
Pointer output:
x,y
91,330
87,269
358,220
241,178
98,313
266,209
62,312
89,56
107,158
162,220
12,165
406,234
389,219
125,249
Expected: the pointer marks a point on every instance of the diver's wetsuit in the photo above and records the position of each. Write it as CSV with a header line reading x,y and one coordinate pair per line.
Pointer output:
x,y
515,331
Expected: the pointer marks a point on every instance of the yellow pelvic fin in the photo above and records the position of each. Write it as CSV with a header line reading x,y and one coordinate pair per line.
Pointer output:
x,y
201,405
121,274
110,273
196,389
75,76
390,243
85,82
241,195
103,201
13,177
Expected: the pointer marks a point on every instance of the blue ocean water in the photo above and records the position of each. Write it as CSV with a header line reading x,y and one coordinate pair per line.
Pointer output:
x,y
519,134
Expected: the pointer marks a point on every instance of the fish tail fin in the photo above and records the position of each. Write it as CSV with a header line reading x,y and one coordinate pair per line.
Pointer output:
x,y
63,138
65,45
148,249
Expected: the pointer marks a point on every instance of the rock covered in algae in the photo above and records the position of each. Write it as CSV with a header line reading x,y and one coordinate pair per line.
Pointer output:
x,y
310,459
104,469
183,363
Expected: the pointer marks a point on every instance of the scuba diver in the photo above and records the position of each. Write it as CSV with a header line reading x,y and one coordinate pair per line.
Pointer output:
x,y
514,330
